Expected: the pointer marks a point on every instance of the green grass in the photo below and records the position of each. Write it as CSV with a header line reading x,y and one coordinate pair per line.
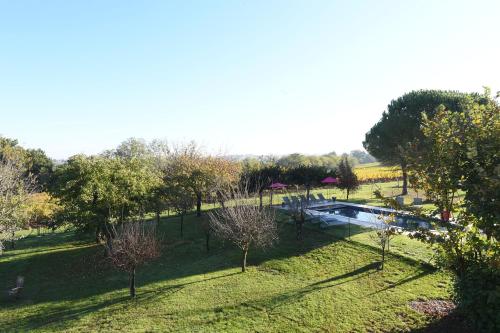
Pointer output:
x,y
323,283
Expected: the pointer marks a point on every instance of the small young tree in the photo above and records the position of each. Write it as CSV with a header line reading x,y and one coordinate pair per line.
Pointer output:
x,y
348,179
244,223
384,233
182,201
134,244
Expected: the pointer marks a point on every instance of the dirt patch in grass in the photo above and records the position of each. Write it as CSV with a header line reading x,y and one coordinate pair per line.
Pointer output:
x,y
444,317
434,308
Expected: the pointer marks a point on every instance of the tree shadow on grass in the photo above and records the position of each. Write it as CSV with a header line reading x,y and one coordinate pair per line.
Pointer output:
x,y
62,315
405,280
270,304
34,244
71,275
76,273
453,323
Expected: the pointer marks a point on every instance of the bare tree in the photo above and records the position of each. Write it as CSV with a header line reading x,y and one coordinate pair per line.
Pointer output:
x,y
385,231
134,244
243,222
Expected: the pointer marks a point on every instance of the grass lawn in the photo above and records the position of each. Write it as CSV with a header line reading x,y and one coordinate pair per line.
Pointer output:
x,y
323,283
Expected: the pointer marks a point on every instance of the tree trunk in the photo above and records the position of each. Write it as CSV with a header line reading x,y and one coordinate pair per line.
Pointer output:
x,y
109,245
300,223
132,283
207,241
405,179
198,204
182,225
347,194
244,260
308,189
157,216
260,199
383,257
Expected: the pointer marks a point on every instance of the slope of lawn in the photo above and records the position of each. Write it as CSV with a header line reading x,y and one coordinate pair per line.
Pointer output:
x,y
320,284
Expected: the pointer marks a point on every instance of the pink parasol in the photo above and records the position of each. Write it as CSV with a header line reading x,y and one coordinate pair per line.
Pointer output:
x,y
277,186
330,180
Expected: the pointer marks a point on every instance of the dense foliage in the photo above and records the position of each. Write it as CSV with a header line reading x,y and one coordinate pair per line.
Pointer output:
x,y
390,138
461,153
96,191
348,179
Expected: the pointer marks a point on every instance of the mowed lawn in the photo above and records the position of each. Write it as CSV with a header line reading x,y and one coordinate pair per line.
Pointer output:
x,y
323,283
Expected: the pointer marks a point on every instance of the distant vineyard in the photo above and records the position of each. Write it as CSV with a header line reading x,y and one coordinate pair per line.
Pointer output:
x,y
376,172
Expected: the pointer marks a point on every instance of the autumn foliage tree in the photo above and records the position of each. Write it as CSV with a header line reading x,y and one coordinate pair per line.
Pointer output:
x,y
188,167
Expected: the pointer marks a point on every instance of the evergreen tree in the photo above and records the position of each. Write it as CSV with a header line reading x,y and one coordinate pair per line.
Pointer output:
x,y
348,179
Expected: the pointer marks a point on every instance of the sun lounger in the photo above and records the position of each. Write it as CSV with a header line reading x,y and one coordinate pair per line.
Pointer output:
x,y
16,291
321,197
287,201
295,200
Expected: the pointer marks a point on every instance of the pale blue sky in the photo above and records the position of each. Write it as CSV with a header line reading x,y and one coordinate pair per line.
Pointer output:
x,y
254,77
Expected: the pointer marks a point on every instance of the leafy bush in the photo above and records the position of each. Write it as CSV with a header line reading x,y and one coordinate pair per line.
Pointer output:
x,y
477,293
466,251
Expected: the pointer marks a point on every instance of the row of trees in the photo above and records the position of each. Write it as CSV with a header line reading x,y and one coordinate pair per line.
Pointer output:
x,y
94,192
135,179
329,161
262,175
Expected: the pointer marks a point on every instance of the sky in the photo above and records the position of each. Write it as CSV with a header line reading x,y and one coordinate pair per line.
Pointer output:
x,y
242,77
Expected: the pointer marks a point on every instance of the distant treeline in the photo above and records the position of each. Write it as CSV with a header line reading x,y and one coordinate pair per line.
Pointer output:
x,y
329,161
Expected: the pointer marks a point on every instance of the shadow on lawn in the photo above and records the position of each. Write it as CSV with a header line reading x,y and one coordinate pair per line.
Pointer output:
x,y
270,304
65,315
405,280
62,315
451,323
71,274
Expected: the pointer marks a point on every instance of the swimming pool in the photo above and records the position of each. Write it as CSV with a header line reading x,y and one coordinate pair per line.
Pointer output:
x,y
367,216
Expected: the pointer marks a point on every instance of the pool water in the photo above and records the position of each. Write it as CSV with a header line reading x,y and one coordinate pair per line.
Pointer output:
x,y
376,216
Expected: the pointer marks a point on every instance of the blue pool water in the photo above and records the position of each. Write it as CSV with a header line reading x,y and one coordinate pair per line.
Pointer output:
x,y
374,216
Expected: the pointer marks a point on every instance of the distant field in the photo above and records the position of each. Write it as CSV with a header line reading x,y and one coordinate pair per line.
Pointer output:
x,y
377,172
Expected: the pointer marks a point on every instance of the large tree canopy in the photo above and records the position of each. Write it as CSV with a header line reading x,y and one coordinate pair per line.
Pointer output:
x,y
98,190
390,138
